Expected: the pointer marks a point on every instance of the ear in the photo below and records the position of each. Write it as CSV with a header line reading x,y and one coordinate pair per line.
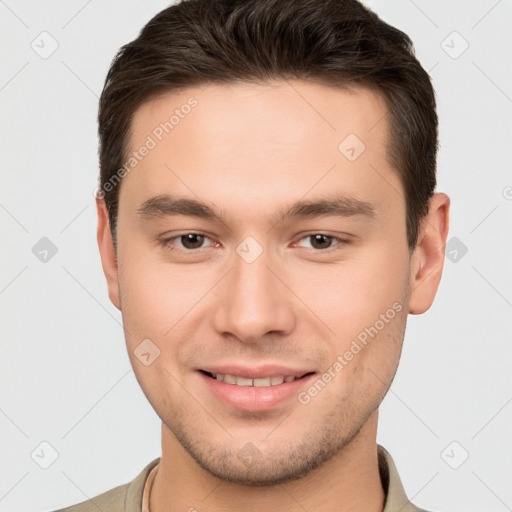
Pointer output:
x,y
107,253
428,257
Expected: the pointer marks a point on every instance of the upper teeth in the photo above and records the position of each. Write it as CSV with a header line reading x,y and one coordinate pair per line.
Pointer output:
x,y
244,381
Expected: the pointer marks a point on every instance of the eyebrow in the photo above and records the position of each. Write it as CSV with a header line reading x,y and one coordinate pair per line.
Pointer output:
x,y
167,205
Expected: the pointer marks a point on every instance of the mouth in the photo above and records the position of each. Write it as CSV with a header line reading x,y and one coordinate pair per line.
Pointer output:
x,y
263,386
243,381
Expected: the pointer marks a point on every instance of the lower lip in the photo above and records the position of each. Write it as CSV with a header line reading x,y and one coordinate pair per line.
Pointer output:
x,y
252,398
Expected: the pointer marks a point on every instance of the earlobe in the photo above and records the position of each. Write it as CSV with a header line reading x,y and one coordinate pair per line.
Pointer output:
x,y
107,253
428,257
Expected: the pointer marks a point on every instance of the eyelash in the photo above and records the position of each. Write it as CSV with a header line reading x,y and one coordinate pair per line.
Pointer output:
x,y
166,243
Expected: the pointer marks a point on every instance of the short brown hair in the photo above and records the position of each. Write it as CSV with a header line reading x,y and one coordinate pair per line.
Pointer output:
x,y
336,42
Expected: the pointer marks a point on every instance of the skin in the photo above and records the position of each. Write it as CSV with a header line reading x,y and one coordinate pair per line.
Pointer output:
x,y
249,151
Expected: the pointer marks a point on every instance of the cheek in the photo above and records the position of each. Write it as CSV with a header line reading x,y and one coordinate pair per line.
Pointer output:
x,y
154,294
352,295
370,359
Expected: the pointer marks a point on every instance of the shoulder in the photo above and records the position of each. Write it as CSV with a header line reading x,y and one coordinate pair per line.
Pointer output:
x,y
123,498
112,500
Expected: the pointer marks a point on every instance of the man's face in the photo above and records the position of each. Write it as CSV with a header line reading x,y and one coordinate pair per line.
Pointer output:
x,y
257,295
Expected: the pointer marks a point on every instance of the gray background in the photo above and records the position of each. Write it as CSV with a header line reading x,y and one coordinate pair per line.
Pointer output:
x,y
65,375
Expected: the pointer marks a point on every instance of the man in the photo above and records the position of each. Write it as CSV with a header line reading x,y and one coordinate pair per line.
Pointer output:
x,y
266,222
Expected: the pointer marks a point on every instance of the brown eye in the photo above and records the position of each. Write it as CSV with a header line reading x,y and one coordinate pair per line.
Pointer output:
x,y
192,240
321,241
187,242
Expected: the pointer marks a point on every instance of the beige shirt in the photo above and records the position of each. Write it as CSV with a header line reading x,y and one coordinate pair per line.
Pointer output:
x,y
134,496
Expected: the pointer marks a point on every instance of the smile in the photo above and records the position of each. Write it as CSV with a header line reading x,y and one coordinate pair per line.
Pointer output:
x,y
238,380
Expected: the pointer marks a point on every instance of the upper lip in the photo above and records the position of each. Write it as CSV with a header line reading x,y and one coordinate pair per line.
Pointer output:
x,y
255,372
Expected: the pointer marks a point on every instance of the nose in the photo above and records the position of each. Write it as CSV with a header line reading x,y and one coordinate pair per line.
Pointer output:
x,y
253,301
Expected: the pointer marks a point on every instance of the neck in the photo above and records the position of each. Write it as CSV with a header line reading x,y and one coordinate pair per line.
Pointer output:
x,y
349,480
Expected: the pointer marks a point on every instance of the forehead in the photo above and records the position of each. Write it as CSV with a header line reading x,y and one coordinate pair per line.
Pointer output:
x,y
277,112
258,141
